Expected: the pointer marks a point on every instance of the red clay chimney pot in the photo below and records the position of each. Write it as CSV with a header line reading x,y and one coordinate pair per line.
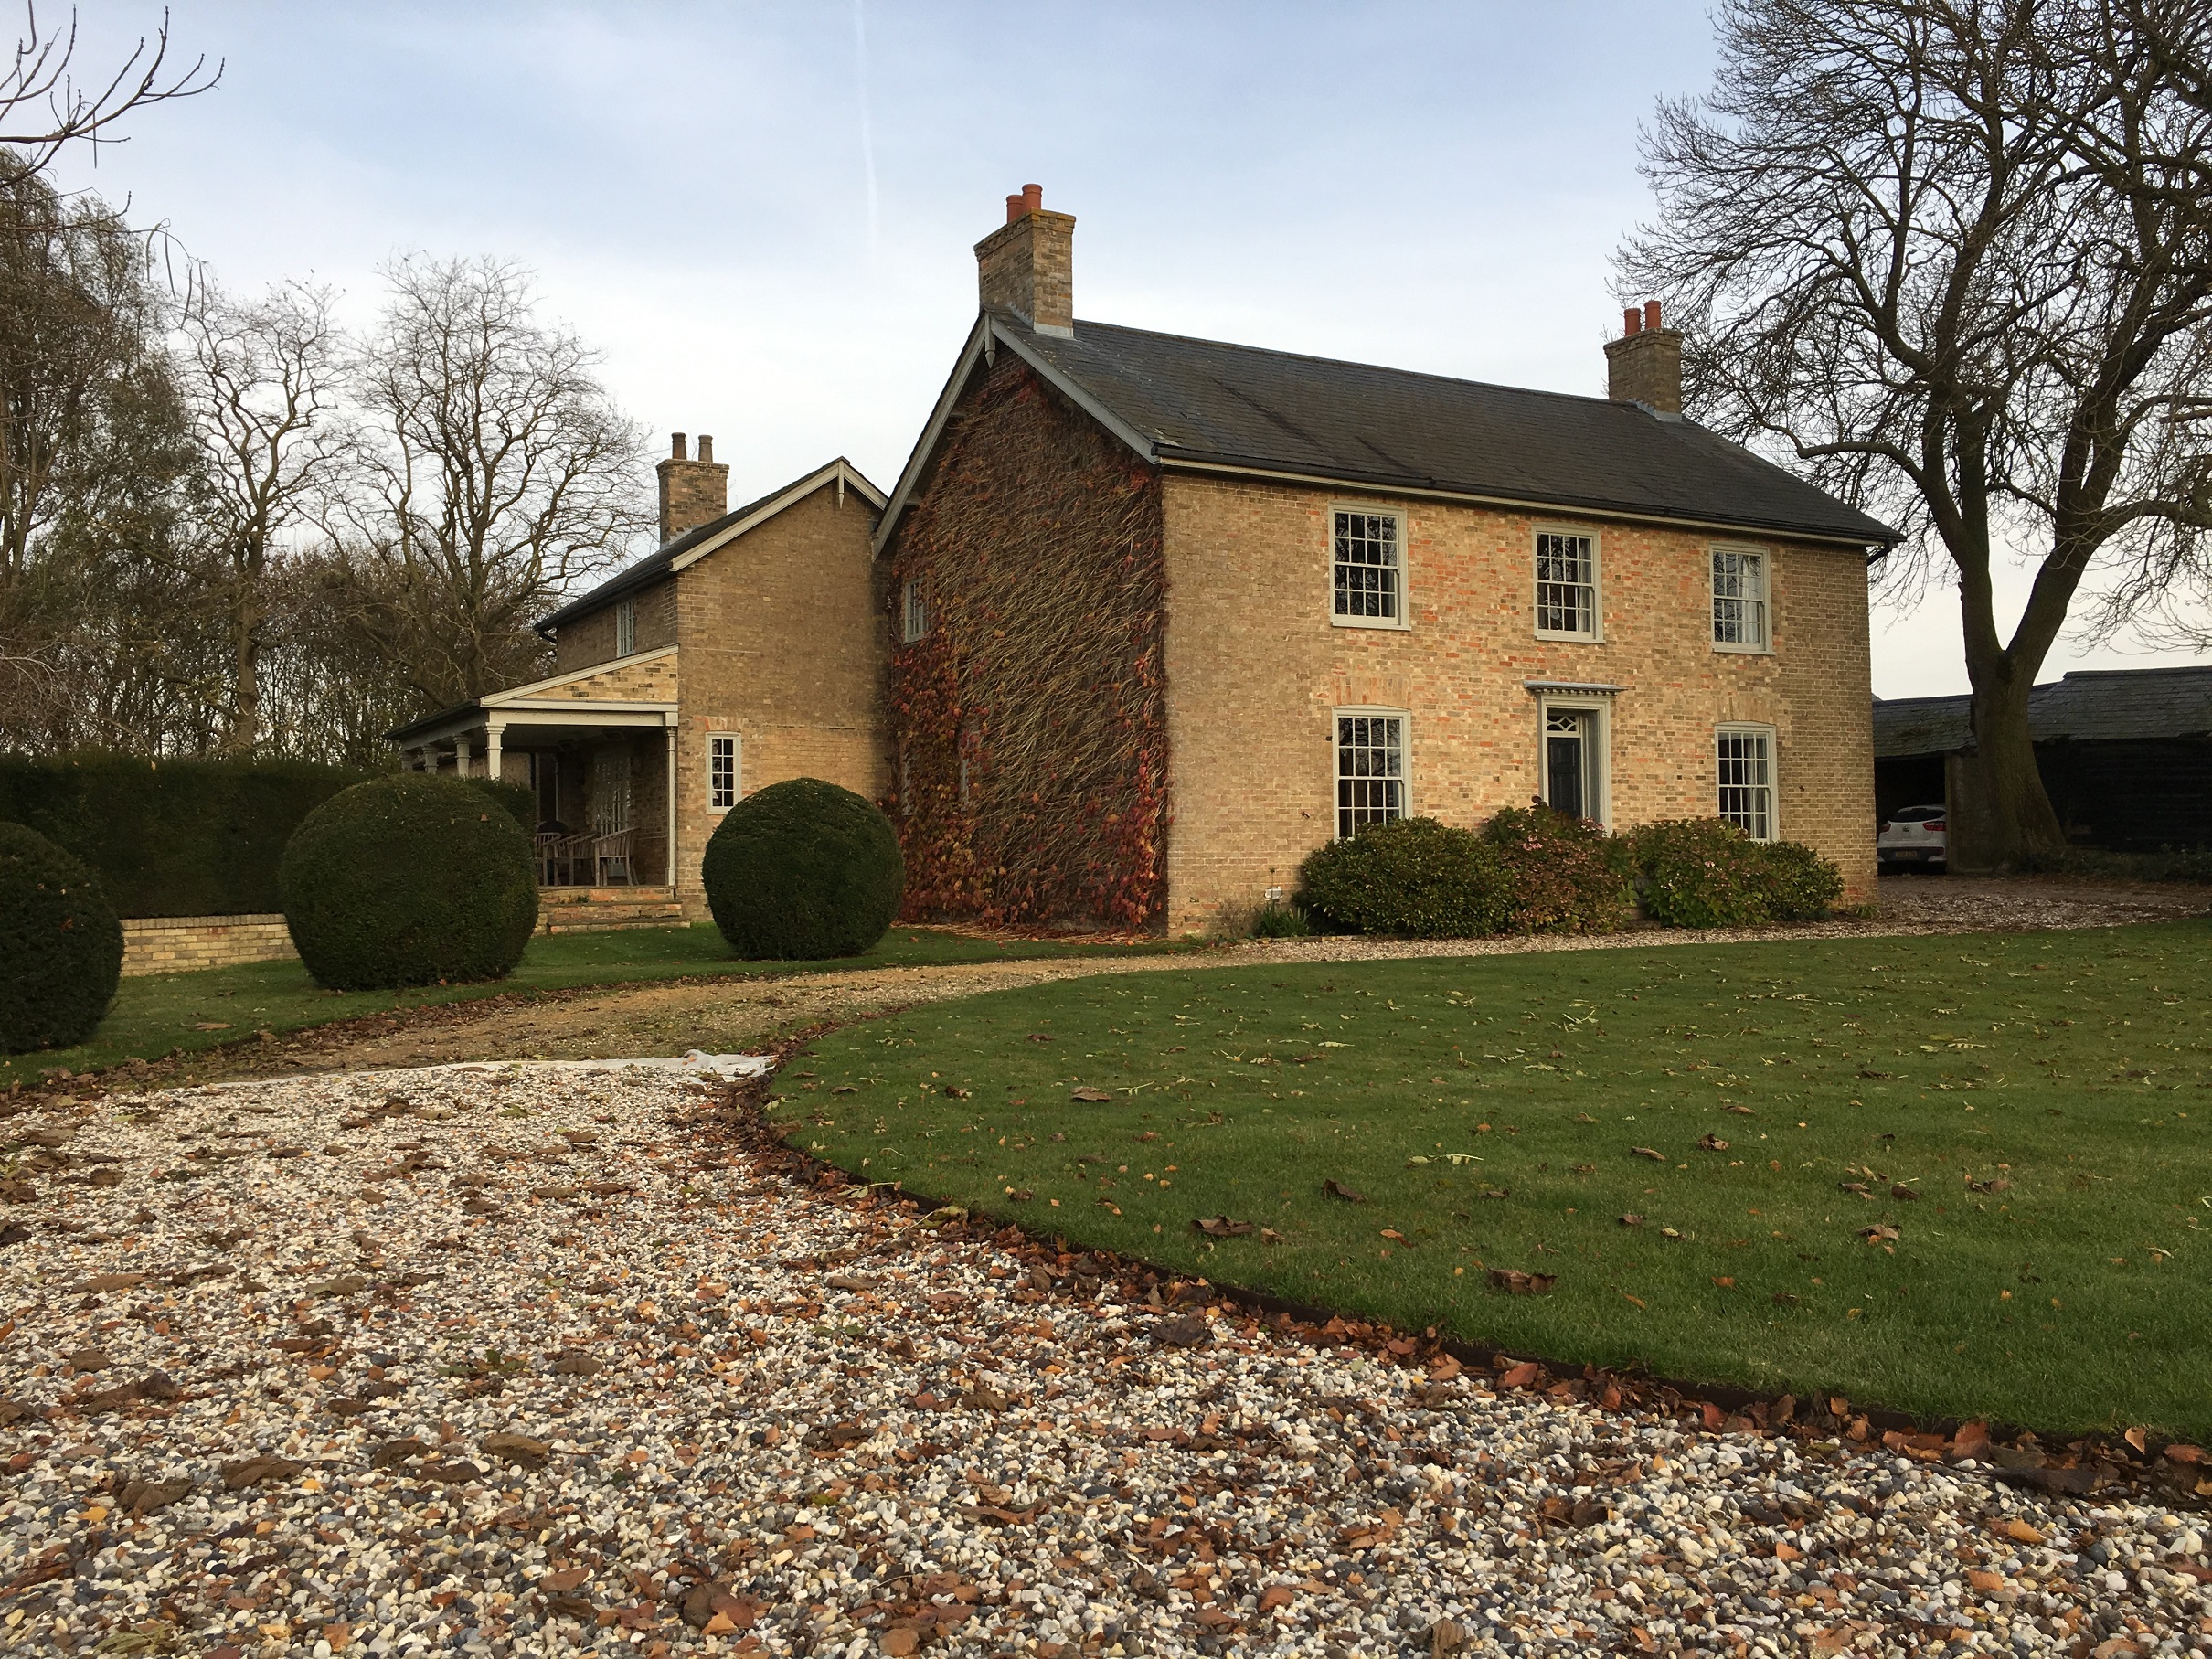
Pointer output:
x,y
1651,314
675,447
1631,321
1014,208
1033,198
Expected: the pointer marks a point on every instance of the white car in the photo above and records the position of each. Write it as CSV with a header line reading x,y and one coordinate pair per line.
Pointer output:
x,y
1913,834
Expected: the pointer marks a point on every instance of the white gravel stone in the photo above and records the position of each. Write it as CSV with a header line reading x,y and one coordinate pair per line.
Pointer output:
x,y
832,1432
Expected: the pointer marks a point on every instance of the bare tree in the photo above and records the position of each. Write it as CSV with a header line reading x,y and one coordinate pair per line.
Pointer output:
x,y
45,108
92,459
500,473
1957,254
263,377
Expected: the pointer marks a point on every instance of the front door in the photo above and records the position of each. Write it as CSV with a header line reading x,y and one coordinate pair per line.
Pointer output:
x,y
1570,750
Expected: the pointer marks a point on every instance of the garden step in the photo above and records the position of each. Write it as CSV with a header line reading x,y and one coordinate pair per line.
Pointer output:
x,y
594,910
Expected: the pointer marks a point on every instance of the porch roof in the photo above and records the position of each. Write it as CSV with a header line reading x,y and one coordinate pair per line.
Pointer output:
x,y
546,712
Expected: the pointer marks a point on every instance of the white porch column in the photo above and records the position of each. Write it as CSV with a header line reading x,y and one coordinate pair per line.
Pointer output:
x,y
673,796
463,750
491,731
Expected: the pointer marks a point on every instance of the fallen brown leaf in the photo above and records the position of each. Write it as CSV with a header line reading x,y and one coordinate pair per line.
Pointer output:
x,y
1088,1093
1653,1153
1516,1283
1221,1226
1337,1189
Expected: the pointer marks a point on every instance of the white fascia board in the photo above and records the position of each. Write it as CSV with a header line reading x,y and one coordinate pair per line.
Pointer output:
x,y
821,478
926,445
582,711
982,337
1083,399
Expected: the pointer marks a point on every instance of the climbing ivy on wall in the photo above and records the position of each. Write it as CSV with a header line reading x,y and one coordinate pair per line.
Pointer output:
x,y
1029,779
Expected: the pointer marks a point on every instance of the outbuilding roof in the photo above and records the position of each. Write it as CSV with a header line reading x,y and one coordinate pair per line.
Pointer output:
x,y
2088,705
1184,403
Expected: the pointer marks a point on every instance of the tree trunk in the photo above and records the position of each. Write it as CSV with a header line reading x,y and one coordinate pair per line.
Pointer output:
x,y
2005,818
245,732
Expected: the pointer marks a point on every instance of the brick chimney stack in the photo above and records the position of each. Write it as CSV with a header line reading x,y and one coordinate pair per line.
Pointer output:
x,y
692,491
1027,266
1644,364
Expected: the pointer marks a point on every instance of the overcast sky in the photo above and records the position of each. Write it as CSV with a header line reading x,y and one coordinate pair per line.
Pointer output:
x,y
762,213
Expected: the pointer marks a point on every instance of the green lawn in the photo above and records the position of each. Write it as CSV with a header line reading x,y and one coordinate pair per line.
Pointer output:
x,y
160,1014
2043,1095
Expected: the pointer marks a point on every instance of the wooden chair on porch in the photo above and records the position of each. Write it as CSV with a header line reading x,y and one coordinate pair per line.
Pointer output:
x,y
610,852
560,856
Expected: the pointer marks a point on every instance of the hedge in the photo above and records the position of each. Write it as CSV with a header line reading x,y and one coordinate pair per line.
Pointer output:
x,y
181,837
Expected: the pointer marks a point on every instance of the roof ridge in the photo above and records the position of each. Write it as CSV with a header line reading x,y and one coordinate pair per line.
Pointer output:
x,y
1388,368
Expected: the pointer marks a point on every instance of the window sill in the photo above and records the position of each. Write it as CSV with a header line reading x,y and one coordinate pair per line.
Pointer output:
x,y
1570,639
1384,623
1720,648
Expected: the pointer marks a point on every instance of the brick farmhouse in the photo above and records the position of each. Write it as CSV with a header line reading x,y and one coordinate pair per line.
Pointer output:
x,y
1146,618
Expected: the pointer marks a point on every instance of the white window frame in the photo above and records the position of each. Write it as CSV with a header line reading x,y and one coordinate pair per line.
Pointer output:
x,y
913,610
1764,604
625,627
720,743
1600,780
1403,620
1336,773
1772,786
1595,634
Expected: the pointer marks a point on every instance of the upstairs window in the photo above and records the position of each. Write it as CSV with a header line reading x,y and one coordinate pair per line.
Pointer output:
x,y
1370,771
1740,598
625,627
721,773
1367,575
1747,780
914,613
1566,585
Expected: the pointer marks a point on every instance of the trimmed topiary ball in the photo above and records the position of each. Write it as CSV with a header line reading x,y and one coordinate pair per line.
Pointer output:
x,y
408,880
60,945
801,871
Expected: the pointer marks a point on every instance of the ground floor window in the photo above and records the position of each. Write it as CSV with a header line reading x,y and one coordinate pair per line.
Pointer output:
x,y
1747,780
721,773
1370,770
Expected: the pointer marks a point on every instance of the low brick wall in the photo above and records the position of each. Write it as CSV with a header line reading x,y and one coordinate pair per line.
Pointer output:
x,y
178,944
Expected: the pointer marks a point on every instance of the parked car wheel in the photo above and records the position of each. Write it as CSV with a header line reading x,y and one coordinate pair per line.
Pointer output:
x,y
1914,839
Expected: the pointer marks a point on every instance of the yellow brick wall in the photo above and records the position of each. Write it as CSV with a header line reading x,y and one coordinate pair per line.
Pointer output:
x,y
780,645
180,944
1255,669
590,638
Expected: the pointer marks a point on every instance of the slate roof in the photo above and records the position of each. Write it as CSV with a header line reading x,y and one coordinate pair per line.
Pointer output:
x,y
2090,704
1203,401
658,563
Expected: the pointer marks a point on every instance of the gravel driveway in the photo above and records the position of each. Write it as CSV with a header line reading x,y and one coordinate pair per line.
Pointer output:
x,y
525,1359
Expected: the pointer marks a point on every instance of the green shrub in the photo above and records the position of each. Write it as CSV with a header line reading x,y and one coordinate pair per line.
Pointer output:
x,y
2167,864
60,945
1563,874
1802,886
803,871
1280,921
1414,877
1707,873
410,879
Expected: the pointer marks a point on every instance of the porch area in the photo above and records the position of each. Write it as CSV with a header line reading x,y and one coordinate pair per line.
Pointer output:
x,y
602,775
